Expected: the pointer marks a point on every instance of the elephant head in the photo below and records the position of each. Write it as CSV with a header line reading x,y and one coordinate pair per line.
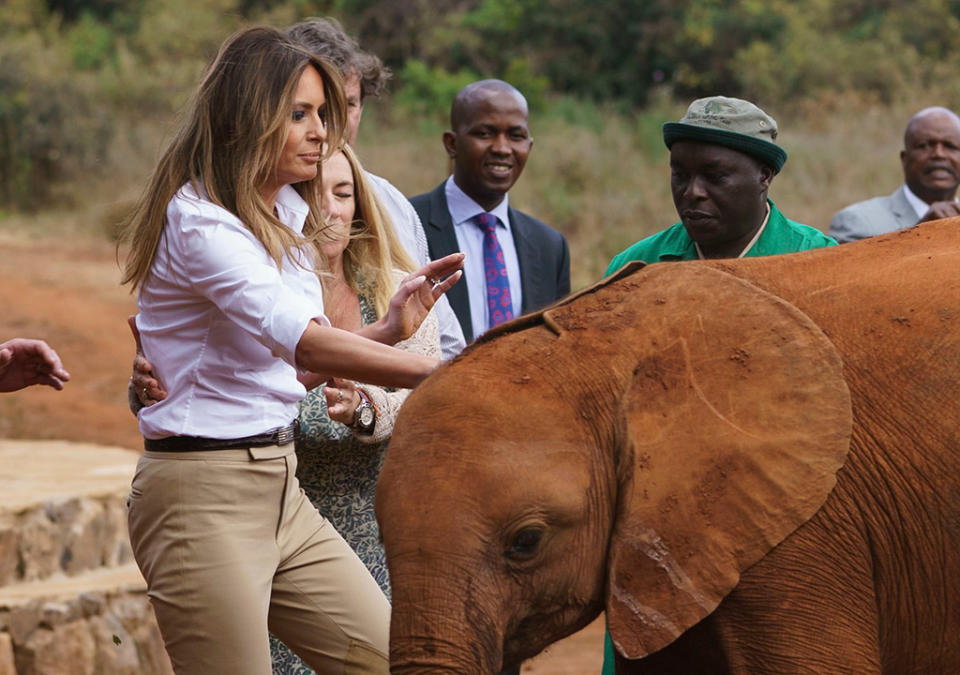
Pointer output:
x,y
632,449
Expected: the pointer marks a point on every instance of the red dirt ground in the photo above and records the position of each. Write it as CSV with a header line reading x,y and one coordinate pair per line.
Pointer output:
x,y
67,293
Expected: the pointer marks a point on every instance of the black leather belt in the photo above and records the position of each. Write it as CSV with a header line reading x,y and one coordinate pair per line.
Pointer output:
x,y
279,436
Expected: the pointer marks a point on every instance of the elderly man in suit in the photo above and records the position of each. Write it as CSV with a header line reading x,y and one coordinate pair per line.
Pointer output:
x,y
515,263
931,174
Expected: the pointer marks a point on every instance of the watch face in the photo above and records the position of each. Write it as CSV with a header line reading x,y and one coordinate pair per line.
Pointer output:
x,y
366,416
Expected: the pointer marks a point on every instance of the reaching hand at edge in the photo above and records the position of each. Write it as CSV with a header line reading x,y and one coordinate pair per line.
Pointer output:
x,y
24,363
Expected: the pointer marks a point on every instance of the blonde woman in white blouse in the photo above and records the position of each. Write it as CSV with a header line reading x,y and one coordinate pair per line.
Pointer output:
x,y
224,254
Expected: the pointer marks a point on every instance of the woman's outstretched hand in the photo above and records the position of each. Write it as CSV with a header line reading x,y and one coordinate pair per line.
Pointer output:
x,y
417,294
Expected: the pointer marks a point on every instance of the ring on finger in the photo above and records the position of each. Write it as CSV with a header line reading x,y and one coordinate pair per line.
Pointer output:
x,y
339,396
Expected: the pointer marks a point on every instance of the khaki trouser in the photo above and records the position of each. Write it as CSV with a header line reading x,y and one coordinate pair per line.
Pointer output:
x,y
231,548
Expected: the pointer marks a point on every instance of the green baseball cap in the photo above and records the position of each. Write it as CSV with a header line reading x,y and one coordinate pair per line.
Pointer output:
x,y
733,123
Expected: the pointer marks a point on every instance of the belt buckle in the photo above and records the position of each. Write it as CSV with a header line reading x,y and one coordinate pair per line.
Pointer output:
x,y
285,435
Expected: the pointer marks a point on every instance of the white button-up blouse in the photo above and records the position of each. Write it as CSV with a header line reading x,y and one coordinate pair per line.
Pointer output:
x,y
220,323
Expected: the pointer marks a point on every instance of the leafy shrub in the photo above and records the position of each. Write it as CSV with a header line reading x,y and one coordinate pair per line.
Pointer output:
x,y
91,43
51,123
429,91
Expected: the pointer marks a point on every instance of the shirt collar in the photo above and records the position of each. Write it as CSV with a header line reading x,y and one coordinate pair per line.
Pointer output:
x,y
919,206
291,208
750,244
462,208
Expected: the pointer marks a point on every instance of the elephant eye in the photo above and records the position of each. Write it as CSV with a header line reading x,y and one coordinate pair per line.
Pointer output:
x,y
524,543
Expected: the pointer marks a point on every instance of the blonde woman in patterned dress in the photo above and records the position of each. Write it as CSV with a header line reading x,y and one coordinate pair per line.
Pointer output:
x,y
337,461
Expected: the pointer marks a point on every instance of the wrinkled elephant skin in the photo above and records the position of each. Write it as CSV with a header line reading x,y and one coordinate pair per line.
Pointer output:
x,y
749,465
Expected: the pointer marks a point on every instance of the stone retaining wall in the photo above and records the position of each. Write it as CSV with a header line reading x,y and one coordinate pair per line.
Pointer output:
x,y
68,536
72,602
96,633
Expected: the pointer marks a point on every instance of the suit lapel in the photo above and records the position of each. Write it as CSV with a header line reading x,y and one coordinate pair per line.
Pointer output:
x,y
531,267
902,210
442,241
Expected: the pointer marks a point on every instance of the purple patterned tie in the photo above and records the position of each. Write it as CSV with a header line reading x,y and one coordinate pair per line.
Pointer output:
x,y
499,301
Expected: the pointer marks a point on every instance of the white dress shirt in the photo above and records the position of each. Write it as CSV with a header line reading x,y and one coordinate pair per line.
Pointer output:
x,y
409,230
919,206
220,322
470,241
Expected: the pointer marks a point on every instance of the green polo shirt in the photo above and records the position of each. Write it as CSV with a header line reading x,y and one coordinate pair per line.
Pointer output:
x,y
781,235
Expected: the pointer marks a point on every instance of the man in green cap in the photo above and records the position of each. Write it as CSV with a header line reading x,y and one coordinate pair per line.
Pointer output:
x,y
723,156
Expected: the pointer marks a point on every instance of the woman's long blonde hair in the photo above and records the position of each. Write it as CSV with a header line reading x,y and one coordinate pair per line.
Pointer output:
x,y
374,250
230,142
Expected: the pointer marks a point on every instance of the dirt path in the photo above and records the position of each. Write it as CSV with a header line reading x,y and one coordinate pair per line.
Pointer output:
x,y
67,293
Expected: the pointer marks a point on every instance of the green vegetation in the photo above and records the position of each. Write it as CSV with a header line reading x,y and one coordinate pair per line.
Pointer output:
x,y
89,90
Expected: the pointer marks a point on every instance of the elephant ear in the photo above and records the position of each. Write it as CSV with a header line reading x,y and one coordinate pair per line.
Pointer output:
x,y
735,422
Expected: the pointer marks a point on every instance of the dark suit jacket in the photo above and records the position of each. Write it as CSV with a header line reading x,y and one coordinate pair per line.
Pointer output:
x,y
542,252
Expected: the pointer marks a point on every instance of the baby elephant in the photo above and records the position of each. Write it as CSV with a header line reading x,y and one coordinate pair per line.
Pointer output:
x,y
750,466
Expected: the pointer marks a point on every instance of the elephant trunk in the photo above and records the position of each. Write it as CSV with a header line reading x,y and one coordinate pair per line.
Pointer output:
x,y
431,634
430,653
417,657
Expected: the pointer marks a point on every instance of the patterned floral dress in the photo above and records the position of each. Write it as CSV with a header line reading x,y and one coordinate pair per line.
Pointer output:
x,y
338,471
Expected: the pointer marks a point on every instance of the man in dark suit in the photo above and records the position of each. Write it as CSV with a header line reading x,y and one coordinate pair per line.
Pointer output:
x,y
515,263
